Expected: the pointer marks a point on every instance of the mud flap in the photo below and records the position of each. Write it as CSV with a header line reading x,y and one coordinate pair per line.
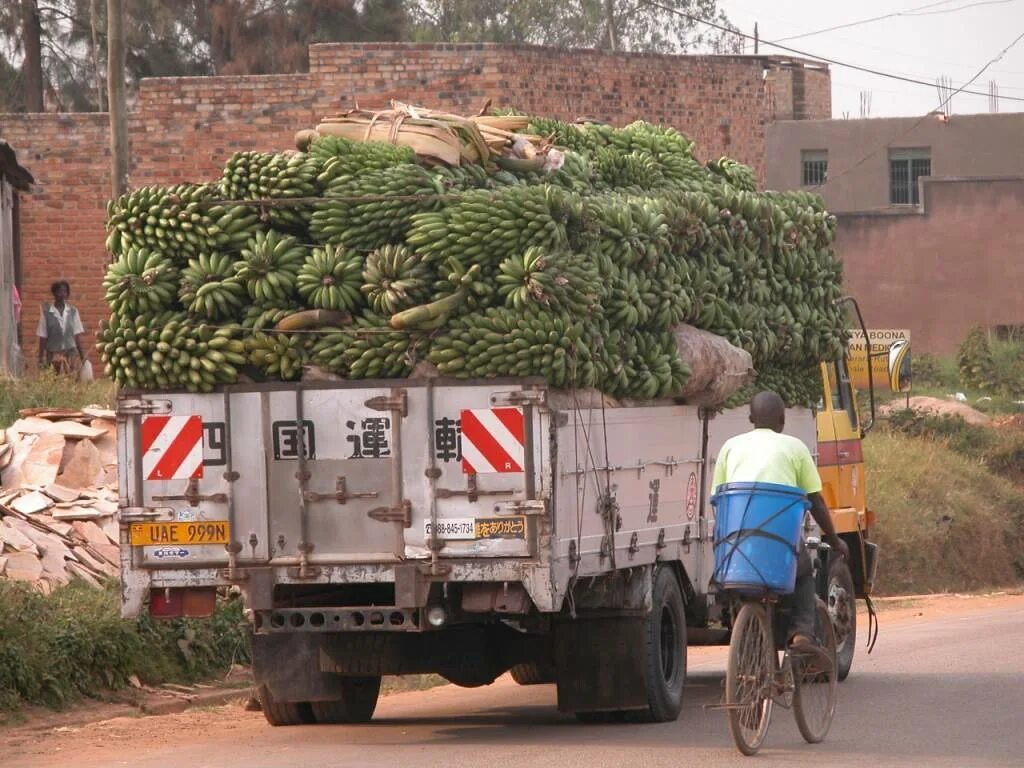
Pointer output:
x,y
600,664
289,665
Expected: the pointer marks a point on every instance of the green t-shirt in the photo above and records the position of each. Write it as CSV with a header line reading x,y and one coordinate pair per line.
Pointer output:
x,y
766,456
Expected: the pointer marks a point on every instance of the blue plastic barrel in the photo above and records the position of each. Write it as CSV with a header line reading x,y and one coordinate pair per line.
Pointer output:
x,y
757,536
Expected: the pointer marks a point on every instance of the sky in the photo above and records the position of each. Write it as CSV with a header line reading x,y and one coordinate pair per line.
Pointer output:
x,y
947,39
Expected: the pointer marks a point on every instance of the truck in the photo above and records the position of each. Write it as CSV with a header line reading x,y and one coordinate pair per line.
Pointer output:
x,y
466,528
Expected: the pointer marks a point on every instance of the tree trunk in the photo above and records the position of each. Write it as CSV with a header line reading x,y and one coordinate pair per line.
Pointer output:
x,y
116,98
96,57
32,67
611,31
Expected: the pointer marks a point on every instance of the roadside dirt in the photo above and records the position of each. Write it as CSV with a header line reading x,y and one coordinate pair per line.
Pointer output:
x,y
53,739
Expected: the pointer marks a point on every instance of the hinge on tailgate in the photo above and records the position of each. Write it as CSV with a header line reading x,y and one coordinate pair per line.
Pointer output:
x,y
138,406
519,397
400,514
398,402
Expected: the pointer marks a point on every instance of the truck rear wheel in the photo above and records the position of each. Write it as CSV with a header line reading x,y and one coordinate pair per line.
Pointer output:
x,y
664,652
284,712
356,705
532,673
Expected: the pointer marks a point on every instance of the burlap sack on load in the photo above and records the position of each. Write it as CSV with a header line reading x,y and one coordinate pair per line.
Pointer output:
x,y
719,370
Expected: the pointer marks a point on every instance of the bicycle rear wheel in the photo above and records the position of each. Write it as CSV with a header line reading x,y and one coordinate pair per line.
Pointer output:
x,y
814,694
748,678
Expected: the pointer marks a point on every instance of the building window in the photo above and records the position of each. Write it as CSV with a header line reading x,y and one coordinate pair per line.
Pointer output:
x,y
814,167
906,166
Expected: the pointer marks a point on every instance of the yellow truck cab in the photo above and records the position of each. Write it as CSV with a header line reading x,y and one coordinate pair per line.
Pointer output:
x,y
841,432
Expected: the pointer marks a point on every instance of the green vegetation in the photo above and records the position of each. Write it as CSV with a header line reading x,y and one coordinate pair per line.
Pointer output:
x,y
72,643
51,391
946,521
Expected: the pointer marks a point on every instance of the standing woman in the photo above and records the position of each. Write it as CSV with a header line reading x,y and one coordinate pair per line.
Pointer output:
x,y
60,332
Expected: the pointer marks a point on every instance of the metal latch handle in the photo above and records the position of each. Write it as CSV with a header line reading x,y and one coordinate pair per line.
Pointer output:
x,y
340,495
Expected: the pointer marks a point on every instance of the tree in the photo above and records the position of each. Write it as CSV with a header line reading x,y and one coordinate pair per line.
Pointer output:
x,y
633,25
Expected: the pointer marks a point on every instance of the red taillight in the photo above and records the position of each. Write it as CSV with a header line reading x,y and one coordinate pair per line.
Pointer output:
x,y
177,602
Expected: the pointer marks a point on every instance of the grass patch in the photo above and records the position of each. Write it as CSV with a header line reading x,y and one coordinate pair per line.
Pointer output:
x,y
47,390
60,647
945,521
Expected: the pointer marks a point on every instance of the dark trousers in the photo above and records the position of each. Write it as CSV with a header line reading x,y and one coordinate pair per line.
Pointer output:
x,y
802,621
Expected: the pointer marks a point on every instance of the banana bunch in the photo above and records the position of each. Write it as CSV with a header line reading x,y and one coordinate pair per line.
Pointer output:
x,y
210,288
374,208
395,278
175,221
503,342
487,226
626,230
734,173
165,351
634,170
340,157
561,282
278,355
799,386
140,282
647,367
269,267
331,278
273,176
259,318
369,350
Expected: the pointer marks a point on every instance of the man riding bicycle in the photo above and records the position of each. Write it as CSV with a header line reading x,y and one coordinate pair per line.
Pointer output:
x,y
765,455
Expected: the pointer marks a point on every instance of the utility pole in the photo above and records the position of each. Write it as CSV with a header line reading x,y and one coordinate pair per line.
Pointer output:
x,y
32,66
116,98
757,39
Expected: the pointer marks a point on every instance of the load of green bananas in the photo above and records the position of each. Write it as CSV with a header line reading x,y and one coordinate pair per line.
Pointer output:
x,y
576,272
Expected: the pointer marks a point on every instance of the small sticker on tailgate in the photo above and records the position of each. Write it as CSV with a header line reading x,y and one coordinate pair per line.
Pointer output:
x,y
472,528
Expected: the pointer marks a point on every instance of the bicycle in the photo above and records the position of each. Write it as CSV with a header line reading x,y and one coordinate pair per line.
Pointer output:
x,y
758,530
756,680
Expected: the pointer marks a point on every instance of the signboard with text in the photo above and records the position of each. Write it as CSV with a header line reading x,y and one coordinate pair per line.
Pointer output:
x,y
890,359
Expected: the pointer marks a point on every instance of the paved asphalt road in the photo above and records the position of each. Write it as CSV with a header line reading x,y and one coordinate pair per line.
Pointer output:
x,y
945,687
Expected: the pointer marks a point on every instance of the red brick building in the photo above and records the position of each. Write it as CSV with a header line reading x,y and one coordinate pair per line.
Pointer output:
x,y
184,129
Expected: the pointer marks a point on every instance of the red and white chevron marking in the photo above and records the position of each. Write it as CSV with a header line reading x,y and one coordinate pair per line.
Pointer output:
x,y
492,440
172,447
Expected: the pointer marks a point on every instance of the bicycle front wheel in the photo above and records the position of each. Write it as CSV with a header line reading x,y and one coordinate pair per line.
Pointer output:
x,y
749,677
814,694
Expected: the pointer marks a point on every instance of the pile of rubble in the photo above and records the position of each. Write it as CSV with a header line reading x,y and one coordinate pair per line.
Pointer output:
x,y
58,497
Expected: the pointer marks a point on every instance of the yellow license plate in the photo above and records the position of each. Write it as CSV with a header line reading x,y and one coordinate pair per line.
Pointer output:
x,y
199,532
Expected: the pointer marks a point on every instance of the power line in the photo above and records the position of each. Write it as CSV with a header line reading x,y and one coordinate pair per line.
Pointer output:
x,y
805,54
921,10
916,123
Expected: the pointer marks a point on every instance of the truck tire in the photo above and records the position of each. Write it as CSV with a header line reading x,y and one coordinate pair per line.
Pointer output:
x,y
532,673
284,712
664,652
356,705
842,609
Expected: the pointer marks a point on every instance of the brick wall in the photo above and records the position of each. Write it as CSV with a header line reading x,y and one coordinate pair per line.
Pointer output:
x,y
940,271
184,129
